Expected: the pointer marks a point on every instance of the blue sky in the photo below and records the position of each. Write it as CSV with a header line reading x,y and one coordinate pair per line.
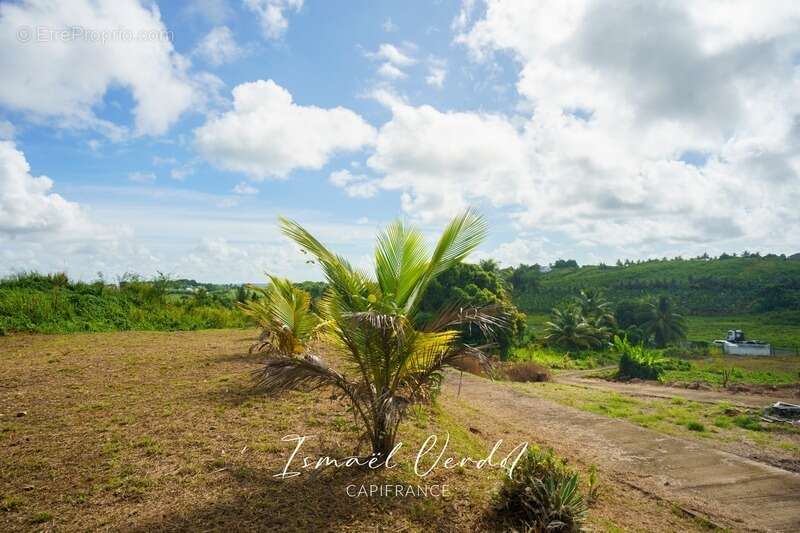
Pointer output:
x,y
581,129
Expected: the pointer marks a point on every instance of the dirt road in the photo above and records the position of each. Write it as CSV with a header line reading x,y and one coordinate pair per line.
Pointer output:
x,y
731,491
649,390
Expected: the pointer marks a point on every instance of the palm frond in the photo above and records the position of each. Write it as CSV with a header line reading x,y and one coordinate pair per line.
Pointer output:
x,y
308,373
401,259
488,319
460,238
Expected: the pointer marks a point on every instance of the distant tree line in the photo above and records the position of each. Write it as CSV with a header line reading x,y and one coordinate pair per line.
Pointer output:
x,y
728,284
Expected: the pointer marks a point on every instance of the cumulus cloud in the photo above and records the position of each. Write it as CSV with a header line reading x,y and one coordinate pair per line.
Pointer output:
x,y
393,55
613,101
218,46
442,162
267,135
27,204
393,60
355,185
387,70
51,76
524,249
271,14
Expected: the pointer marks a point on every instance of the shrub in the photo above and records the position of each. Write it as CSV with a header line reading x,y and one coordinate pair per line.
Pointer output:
x,y
695,426
52,304
637,362
525,372
542,495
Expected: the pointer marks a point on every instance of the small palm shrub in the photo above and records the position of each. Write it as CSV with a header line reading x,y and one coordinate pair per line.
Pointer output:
x,y
371,325
283,312
542,495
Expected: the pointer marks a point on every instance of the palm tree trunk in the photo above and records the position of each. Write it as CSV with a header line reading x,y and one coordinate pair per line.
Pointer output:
x,y
383,436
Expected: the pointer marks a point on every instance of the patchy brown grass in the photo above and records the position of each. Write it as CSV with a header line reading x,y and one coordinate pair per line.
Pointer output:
x,y
525,371
142,431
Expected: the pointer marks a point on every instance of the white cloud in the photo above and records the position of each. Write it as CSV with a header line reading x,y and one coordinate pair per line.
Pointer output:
x,y
27,204
597,152
444,161
244,188
219,46
387,70
354,185
522,250
393,60
271,15
142,177
393,55
437,72
267,135
66,78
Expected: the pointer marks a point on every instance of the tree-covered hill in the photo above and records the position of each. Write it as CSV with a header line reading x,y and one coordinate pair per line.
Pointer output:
x,y
700,286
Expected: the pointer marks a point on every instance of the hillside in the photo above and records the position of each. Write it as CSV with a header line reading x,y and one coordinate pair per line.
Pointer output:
x,y
728,285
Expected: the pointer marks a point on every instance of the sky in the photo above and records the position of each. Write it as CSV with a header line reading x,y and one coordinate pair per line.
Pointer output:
x,y
140,136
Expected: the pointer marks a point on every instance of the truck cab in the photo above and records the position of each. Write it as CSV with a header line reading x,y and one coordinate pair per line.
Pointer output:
x,y
735,335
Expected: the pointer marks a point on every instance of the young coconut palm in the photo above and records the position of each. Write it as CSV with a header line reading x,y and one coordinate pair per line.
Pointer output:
x,y
283,312
370,325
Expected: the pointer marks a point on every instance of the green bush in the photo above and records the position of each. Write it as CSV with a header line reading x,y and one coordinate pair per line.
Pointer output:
x,y
53,304
748,422
542,495
637,362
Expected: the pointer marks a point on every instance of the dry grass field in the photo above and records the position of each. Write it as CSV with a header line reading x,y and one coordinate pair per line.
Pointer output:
x,y
142,431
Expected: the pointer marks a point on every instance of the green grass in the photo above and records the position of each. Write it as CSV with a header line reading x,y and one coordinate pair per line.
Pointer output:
x,y
675,416
41,517
558,359
743,370
768,328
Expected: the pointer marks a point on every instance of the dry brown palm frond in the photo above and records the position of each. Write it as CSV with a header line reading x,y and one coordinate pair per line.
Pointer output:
x,y
477,354
283,373
380,321
488,319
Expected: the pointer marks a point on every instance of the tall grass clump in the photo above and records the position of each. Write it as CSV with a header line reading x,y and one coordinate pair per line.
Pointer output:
x,y
543,494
